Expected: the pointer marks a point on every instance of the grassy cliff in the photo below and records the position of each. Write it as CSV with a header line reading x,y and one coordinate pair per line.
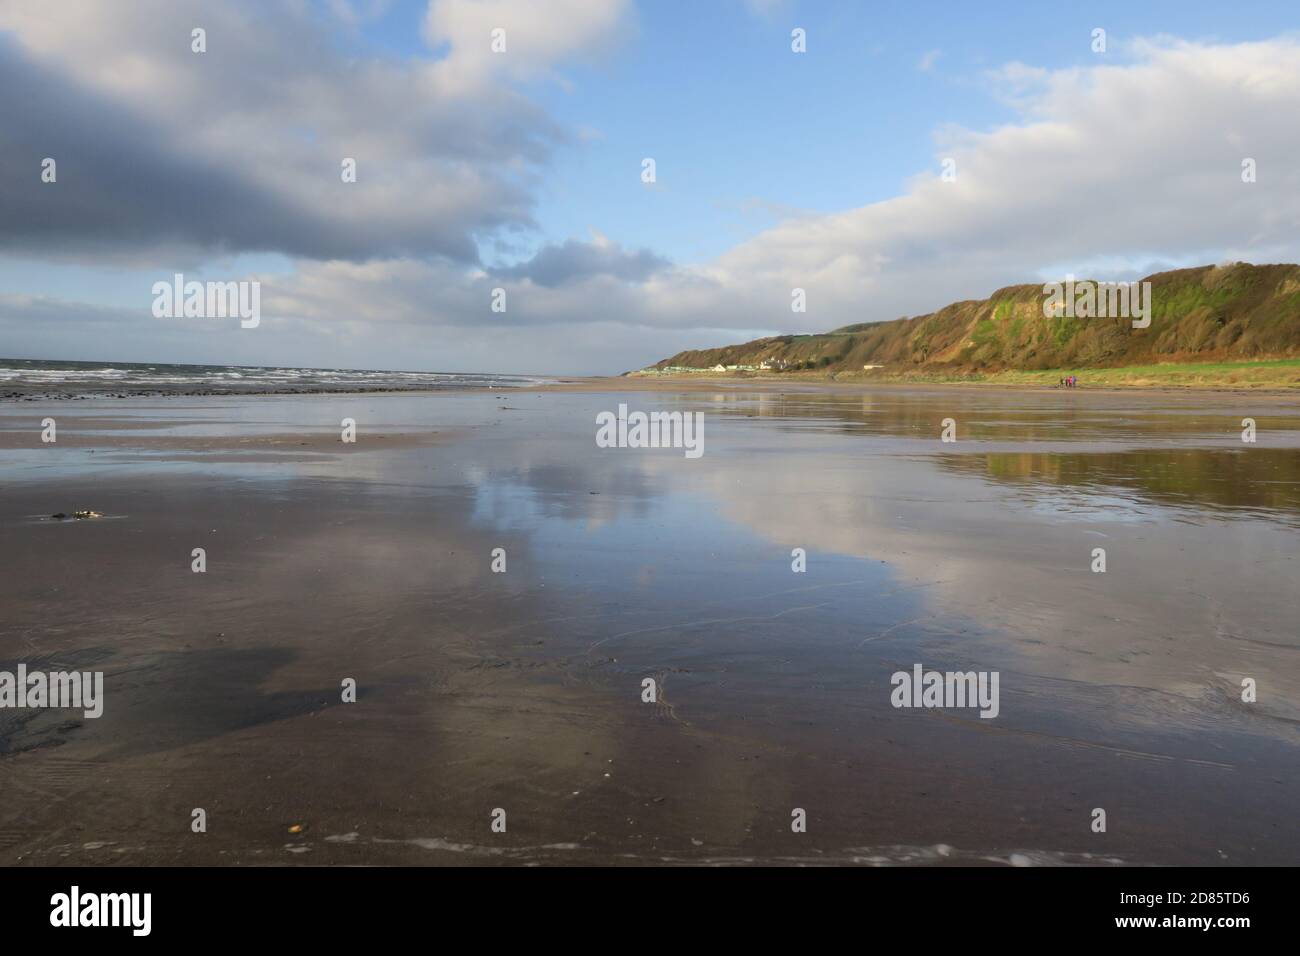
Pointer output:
x,y
1223,320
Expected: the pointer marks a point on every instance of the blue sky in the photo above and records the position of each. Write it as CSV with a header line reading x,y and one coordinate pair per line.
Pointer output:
x,y
774,169
736,122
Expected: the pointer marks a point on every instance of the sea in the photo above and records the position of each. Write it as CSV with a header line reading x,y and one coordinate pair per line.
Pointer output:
x,y
23,377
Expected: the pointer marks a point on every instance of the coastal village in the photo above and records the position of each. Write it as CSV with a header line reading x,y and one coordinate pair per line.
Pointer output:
x,y
766,365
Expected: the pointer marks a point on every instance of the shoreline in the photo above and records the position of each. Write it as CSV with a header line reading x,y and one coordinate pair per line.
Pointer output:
x,y
712,383
46,394
648,380
634,382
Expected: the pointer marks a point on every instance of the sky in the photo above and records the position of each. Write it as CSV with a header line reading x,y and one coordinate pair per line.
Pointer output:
x,y
523,170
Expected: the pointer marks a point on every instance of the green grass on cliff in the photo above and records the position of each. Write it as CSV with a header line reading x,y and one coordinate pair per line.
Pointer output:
x,y
1235,325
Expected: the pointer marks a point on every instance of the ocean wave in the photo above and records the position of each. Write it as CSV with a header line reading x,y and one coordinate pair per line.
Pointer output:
x,y
91,377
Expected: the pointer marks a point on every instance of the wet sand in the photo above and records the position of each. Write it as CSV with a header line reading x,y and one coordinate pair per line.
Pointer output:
x,y
522,690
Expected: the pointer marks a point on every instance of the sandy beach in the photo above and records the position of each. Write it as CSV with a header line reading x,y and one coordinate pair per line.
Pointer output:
x,y
522,690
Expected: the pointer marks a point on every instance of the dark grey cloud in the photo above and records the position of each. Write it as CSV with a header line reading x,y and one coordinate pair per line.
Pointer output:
x,y
122,182
573,261
239,150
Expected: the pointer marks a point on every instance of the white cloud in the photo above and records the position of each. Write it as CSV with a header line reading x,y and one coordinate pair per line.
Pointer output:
x,y
537,36
1140,162
241,147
